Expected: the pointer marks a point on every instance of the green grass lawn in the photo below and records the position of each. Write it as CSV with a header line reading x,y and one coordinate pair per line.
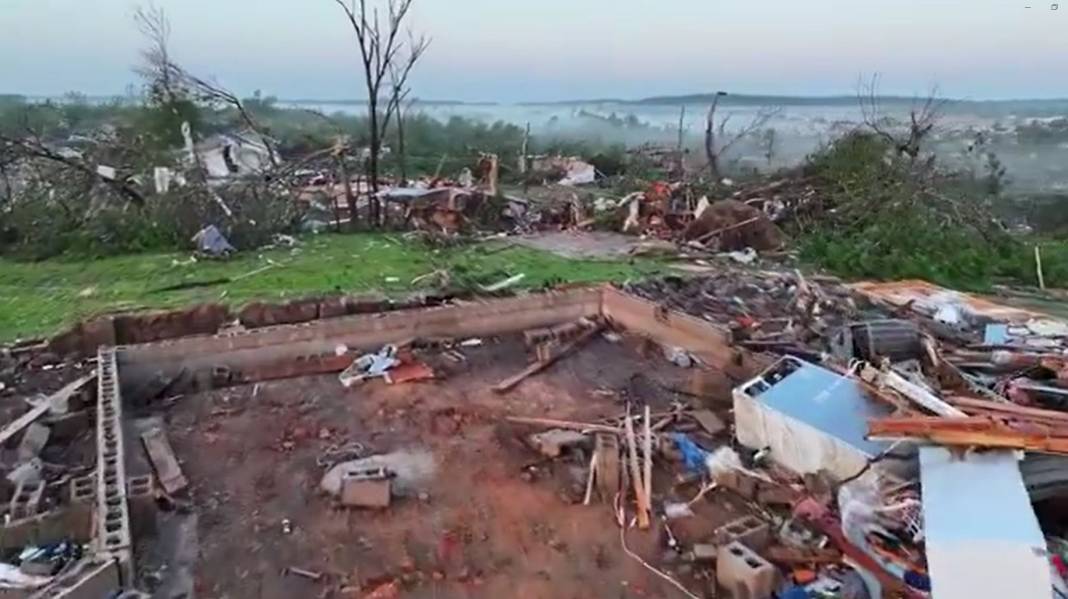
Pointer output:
x,y
40,298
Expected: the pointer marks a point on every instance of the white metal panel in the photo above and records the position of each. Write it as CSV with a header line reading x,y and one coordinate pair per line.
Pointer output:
x,y
982,536
792,443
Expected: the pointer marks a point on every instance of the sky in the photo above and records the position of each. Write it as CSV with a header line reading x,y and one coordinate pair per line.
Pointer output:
x,y
545,50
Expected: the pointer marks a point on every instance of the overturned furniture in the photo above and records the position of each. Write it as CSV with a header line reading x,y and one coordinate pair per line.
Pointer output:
x,y
811,419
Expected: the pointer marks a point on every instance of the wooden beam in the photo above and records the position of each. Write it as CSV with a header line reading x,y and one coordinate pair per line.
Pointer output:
x,y
565,424
647,447
1005,408
973,432
164,461
35,413
510,383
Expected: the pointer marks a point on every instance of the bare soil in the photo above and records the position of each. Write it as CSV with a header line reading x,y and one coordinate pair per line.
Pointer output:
x,y
495,518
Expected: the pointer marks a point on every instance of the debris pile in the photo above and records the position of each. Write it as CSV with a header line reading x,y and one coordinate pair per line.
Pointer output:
x,y
764,310
887,409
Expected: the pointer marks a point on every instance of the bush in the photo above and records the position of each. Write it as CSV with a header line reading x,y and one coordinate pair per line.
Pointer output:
x,y
887,217
36,228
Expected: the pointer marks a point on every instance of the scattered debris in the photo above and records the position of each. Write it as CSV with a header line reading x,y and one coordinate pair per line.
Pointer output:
x,y
554,442
506,283
369,366
56,403
210,241
368,488
309,574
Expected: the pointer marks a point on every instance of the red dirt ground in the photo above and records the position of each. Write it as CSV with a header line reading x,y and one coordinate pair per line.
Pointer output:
x,y
482,528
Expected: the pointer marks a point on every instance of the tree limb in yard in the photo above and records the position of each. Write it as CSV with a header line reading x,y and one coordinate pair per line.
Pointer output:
x,y
382,54
715,148
32,147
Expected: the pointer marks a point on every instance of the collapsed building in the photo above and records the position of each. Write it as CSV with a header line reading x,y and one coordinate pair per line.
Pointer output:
x,y
744,432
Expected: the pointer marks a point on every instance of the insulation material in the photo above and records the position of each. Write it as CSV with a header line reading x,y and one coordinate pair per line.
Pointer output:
x,y
983,539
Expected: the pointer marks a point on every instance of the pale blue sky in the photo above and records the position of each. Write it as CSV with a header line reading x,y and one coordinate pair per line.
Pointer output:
x,y
515,50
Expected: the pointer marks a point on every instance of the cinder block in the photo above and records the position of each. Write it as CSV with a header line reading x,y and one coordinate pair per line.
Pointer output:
x,y
83,490
750,531
704,552
366,488
743,573
141,499
26,500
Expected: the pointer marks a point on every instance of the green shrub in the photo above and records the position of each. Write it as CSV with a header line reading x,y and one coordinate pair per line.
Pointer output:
x,y
886,217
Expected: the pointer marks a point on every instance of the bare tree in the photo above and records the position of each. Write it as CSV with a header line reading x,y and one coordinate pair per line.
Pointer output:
x,y
923,117
383,54
718,143
769,139
169,76
400,104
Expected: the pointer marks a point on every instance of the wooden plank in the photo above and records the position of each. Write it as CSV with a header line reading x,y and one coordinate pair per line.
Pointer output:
x,y
636,474
708,420
1008,408
35,413
972,432
606,448
647,447
911,391
510,383
565,424
163,460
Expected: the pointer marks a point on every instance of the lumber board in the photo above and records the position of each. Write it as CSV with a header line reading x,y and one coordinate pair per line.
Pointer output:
x,y
511,382
164,461
35,413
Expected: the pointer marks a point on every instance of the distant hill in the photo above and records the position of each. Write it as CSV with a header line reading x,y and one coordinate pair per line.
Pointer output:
x,y
833,100
352,102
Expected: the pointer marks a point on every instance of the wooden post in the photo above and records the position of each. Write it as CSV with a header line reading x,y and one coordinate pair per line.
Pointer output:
x,y
494,174
648,447
636,474
1038,268
523,151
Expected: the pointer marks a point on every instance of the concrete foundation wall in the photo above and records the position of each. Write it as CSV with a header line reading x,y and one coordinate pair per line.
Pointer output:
x,y
249,351
710,342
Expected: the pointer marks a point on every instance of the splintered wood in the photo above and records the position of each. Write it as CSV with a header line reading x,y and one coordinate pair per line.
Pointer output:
x,y
974,431
644,506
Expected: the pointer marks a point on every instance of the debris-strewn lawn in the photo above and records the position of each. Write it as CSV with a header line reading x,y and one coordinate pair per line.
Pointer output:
x,y
39,298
